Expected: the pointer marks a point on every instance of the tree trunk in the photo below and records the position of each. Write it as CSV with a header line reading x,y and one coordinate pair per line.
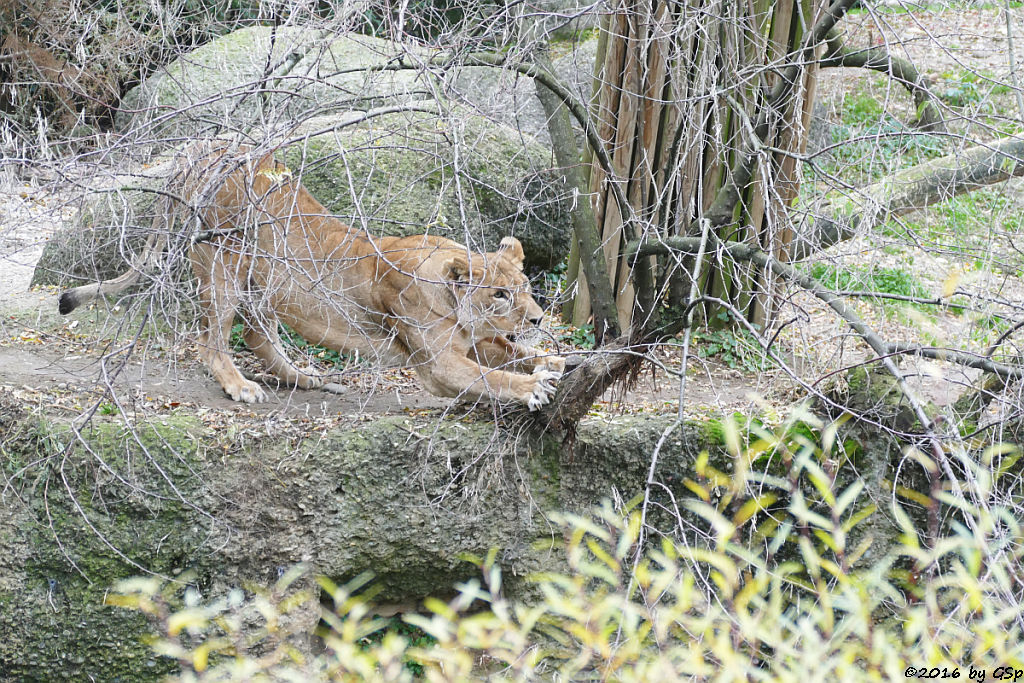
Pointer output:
x,y
586,239
680,93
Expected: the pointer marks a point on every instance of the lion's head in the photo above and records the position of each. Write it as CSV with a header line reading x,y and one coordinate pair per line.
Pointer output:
x,y
492,291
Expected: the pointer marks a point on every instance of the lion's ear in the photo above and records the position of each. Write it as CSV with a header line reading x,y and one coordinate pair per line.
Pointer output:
x,y
456,269
512,249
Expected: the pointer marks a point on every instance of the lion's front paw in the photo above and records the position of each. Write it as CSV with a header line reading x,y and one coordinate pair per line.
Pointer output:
x,y
543,388
247,392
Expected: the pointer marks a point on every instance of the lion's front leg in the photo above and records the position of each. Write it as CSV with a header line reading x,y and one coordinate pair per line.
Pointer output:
x,y
500,352
453,375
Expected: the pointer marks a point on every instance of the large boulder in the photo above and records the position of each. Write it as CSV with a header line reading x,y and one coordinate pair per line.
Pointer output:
x,y
109,227
260,77
511,98
461,176
566,19
267,77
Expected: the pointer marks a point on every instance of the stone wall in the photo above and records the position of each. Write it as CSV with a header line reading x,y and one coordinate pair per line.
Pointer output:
x,y
402,497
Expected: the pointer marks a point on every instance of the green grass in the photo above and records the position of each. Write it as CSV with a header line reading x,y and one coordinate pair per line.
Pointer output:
x,y
868,279
986,329
883,281
976,213
861,108
869,143
967,225
930,8
869,152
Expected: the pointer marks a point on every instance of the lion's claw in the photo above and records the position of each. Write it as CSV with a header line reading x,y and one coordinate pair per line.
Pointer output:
x,y
309,378
543,388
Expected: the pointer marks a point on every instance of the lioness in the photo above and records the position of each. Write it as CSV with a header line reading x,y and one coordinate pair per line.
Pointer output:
x,y
265,248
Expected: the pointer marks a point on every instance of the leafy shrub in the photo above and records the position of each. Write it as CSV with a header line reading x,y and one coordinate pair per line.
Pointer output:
x,y
293,340
966,88
796,591
66,63
580,337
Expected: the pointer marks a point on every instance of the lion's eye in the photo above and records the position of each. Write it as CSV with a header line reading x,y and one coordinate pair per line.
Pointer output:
x,y
500,294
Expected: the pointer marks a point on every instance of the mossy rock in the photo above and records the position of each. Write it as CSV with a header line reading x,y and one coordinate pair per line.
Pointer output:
x,y
262,76
393,175
403,497
107,230
460,176
55,567
875,395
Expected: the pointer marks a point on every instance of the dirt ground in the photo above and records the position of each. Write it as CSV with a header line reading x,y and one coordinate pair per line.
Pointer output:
x,y
38,362
46,369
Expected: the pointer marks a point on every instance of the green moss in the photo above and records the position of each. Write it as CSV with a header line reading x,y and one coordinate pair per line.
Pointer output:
x,y
73,512
714,431
403,496
397,191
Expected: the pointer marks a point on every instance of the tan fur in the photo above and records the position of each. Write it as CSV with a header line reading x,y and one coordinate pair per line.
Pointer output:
x,y
270,251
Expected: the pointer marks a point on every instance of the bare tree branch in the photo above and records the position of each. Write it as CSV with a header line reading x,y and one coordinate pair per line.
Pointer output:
x,y
929,118
960,358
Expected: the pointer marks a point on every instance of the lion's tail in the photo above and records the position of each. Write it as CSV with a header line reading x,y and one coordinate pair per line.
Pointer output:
x,y
143,262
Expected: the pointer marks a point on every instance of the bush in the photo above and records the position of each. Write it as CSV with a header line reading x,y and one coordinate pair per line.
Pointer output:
x,y
66,63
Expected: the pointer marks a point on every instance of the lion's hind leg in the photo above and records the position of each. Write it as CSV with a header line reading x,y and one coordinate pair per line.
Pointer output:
x,y
219,271
264,339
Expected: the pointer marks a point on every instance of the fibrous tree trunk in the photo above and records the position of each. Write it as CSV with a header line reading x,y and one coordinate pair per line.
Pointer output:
x,y
683,93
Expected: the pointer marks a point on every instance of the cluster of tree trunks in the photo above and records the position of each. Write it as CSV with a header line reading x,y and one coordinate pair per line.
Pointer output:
x,y
696,129
678,91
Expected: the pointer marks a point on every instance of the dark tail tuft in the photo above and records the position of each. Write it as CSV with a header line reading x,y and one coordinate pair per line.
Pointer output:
x,y
66,303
